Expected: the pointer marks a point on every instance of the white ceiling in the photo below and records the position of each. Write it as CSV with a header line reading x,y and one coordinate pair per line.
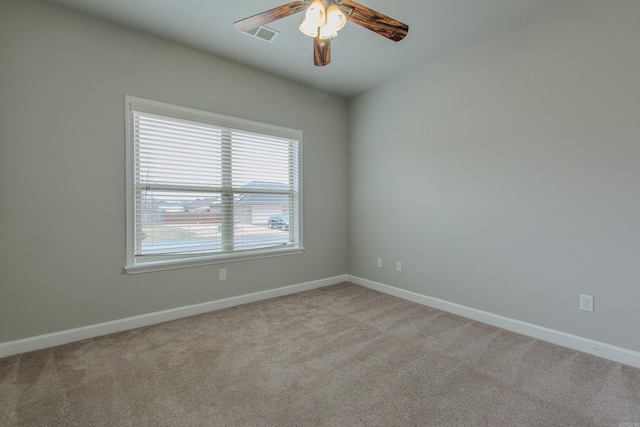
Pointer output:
x,y
360,59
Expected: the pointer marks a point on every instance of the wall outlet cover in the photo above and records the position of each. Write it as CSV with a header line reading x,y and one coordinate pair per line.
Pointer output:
x,y
586,303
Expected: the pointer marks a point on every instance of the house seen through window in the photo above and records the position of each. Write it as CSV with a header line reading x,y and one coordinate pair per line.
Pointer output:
x,y
204,188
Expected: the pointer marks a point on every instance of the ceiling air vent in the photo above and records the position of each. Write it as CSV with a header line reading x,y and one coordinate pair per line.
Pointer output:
x,y
263,33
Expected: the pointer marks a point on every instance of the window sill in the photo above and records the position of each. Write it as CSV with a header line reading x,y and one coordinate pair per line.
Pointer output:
x,y
173,264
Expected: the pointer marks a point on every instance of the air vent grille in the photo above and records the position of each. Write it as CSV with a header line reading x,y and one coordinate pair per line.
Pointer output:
x,y
263,33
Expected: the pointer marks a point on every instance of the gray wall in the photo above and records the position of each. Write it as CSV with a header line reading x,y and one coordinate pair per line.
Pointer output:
x,y
506,176
63,78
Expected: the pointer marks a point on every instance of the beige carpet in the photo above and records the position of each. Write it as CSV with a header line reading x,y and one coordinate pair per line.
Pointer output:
x,y
338,356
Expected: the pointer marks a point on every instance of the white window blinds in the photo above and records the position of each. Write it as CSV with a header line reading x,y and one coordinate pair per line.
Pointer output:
x,y
207,188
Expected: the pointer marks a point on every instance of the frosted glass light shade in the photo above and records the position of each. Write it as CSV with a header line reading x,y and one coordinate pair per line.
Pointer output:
x,y
335,21
314,17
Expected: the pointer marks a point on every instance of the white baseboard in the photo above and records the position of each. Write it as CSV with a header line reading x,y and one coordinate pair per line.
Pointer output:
x,y
64,337
604,350
585,345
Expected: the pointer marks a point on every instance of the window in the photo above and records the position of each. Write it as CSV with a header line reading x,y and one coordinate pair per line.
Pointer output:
x,y
204,188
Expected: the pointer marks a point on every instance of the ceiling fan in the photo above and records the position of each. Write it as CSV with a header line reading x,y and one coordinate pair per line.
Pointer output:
x,y
324,18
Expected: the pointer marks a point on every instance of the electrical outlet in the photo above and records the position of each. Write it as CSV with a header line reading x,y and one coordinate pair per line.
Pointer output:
x,y
398,265
379,262
223,274
586,303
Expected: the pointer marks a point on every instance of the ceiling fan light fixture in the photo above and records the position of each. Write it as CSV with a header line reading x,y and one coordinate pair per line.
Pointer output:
x,y
314,18
336,20
322,21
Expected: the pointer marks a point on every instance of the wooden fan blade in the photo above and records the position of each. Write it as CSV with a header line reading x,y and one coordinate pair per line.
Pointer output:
x,y
321,52
374,21
274,14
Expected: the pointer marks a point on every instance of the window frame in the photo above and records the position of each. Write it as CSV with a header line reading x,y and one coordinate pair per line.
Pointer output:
x,y
132,104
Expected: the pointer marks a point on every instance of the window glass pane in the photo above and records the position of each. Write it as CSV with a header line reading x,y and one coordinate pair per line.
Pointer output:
x,y
178,223
261,220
